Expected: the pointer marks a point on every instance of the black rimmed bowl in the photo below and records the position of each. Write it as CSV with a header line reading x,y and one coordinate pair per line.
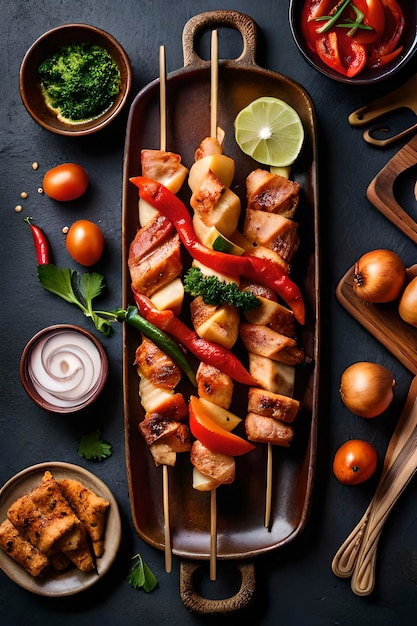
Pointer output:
x,y
47,44
366,76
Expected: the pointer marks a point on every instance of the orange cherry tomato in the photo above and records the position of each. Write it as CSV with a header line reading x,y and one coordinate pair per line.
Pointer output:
x,y
85,242
213,436
354,462
65,182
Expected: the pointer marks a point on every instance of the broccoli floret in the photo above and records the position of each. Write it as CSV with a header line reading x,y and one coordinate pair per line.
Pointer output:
x,y
216,292
81,80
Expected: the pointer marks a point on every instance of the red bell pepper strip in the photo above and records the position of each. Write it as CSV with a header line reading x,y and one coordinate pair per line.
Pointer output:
x,y
254,268
206,351
41,243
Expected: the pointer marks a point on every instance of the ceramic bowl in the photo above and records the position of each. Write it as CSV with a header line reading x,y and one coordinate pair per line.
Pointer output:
x,y
69,581
49,42
64,368
366,76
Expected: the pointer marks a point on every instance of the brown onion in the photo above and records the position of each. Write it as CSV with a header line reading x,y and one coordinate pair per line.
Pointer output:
x,y
379,276
408,303
367,389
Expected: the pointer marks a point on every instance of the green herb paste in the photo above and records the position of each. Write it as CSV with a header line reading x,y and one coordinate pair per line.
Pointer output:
x,y
80,81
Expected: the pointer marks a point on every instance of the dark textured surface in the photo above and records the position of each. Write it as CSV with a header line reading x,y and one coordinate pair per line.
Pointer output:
x,y
295,585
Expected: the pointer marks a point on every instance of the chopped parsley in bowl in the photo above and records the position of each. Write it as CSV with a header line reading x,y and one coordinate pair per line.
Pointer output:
x,y
75,79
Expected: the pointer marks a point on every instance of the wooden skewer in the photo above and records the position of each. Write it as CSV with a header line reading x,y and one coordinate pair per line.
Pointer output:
x,y
162,146
213,132
214,81
213,535
168,552
268,491
162,99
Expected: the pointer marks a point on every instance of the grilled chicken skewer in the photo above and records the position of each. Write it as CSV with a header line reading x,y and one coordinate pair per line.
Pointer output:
x,y
156,255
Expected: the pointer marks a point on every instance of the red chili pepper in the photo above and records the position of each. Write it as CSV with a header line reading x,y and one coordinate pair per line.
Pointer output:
x,y
254,268
206,351
41,243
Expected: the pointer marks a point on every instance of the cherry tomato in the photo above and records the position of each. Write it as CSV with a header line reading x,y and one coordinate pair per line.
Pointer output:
x,y
85,242
65,182
354,462
213,436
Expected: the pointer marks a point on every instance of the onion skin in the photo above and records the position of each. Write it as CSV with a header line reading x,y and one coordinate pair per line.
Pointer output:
x,y
367,389
379,276
408,303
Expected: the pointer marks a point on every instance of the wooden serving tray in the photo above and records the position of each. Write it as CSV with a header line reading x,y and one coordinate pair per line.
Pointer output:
x,y
240,507
382,321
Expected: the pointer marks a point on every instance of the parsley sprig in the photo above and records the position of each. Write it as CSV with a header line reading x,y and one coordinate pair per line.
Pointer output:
x,y
93,448
140,575
217,292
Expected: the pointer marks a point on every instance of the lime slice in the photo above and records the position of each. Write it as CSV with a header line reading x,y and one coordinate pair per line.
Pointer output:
x,y
270,131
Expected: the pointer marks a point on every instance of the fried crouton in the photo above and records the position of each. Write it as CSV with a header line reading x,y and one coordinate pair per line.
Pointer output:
x,y
90,508
45,518
21,550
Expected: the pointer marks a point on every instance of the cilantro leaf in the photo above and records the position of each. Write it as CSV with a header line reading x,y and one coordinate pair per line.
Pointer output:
x,y
93,448
80,291
141,576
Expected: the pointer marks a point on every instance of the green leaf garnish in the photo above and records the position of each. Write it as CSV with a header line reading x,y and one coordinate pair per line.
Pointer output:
x,y
80,291
93,448
141,576
217,292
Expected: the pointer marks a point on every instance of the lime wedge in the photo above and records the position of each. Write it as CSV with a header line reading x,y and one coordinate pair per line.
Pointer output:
x,y
270,131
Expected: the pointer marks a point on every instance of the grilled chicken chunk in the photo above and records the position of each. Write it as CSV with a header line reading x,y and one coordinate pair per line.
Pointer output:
x,y
164,451
209,146
271,375
46,519
268,404
214,386
220,467
274,315
272,193
207,195
90,508
165,167
263,340
21,550
215,323
267,253
263,429
158,367
156,428
154,256
272,231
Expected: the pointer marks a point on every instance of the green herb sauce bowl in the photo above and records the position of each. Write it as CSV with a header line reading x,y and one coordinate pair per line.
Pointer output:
x,y
30,83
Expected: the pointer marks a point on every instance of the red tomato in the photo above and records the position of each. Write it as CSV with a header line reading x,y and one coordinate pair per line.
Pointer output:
x,y
213,436
85,242
354,462
65,182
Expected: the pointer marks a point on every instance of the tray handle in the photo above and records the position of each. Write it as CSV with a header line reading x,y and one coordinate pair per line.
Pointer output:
x,y
195,603
241,22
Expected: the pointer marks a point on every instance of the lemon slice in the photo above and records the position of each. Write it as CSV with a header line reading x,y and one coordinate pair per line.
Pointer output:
x,y
270,131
